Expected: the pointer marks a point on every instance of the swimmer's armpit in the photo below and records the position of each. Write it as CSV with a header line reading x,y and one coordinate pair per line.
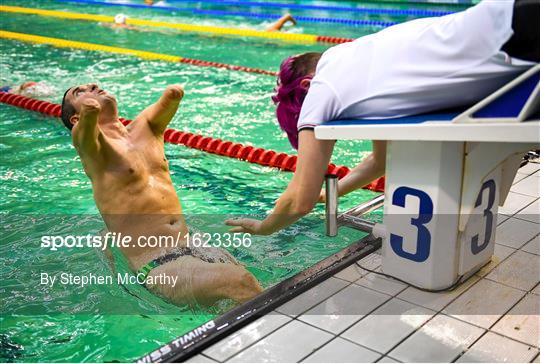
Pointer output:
x,y
159,115
86,131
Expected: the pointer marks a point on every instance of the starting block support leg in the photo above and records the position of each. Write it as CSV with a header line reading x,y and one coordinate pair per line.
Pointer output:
x,y
441,204
421,211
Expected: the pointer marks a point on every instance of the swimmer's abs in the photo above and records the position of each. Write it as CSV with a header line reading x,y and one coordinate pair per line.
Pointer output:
x,y
149,195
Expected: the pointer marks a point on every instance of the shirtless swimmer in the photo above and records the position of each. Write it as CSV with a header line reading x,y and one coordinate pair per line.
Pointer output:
x,y
134,193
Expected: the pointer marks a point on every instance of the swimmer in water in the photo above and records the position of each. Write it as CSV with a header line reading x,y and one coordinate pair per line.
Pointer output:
x,y
29,89
134,193
278,25
120,21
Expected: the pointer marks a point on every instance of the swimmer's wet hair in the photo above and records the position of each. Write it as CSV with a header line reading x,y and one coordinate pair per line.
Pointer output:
x,y
290,94
68,110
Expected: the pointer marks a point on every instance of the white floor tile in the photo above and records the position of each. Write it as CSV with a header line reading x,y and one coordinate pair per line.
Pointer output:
x,y
536,290
516,232
246,336
529,168
531,212
200,359
435,301
440,340
515,202
493,348
484,303
387,359
537,359
522,323
344,308
351,273
342,351
519,177
381,284
529,186
533,246
500,253
520,270
501,218
372,261
388,325
313,296
289,344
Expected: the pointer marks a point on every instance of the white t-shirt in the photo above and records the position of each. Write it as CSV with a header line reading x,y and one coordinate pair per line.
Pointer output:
x,y
415,67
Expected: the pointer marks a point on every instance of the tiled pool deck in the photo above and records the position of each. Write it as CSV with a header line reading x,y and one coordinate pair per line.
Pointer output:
x,y
357,316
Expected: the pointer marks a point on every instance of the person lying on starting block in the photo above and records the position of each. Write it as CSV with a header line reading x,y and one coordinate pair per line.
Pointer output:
x,y
135,196
415,67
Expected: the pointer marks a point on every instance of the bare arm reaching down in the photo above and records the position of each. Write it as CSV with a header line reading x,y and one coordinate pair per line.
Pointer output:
x,y
160,114
371,168
301,195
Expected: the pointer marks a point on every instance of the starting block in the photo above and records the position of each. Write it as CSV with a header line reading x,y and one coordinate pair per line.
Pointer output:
x,y
446,175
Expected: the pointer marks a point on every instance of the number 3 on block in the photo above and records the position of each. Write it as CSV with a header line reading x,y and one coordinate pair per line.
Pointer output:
x,y
425,214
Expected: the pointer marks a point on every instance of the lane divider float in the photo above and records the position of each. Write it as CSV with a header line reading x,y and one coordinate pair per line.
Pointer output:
x,y
303,38
247,153
218,13
62,43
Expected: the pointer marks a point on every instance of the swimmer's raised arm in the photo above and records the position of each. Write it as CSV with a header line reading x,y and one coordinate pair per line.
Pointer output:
x,y
86,131
160,114
278,25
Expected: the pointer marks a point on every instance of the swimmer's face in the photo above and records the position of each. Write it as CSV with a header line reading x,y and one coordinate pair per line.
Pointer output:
x,y
76,95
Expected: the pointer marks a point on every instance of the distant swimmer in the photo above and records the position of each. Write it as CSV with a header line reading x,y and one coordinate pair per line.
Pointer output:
x,y
29,89
278,25
134,193
120,21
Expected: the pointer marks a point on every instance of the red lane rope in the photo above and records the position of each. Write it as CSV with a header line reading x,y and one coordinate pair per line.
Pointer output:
x,y
263,157
198,62
335,40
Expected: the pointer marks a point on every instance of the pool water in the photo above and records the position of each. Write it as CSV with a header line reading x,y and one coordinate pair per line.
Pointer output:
x,y
45,191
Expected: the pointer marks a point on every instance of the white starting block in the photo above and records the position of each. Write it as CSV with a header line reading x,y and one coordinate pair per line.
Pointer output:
x,y
446,175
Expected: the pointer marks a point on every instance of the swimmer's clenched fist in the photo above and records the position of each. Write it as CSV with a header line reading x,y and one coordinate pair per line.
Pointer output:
x,y
134,193
90,106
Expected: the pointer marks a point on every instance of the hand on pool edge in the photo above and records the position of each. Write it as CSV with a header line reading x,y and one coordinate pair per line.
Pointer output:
x,y
243,225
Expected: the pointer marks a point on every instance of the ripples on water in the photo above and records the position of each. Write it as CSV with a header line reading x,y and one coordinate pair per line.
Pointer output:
x,y
44,189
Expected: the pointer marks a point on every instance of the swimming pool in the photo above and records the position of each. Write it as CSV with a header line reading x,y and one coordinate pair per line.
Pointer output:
x,y
44,189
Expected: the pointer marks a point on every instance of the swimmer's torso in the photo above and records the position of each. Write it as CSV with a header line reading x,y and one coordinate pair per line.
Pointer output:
x,y
133,189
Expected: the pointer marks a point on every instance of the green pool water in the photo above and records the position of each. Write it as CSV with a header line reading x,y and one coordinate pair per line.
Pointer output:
x,y
43,189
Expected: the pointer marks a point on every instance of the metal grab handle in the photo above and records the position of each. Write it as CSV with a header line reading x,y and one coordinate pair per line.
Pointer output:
x,y
331,205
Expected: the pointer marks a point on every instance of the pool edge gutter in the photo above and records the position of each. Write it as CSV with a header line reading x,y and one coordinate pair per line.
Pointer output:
x,y
203,336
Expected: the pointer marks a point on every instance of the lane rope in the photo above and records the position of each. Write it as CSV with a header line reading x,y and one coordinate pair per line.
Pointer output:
x,y
303,38
348,9
218,13
62,43
247,153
